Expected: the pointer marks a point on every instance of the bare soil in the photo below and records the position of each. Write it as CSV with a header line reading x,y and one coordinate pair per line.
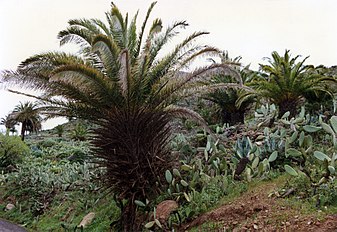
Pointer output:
x,y
255,211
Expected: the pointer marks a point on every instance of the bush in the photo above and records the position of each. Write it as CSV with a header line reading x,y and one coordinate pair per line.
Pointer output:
x,y
47,143
12,150
80,132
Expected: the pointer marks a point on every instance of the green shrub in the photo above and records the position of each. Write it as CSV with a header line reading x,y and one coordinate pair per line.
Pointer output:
x,y
328,193
12,150
80,132
208,197
47,143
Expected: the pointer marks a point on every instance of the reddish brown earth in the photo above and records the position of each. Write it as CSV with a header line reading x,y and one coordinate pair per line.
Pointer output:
x,y
255,211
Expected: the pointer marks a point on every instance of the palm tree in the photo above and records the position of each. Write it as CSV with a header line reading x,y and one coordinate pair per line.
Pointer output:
x,y
226,99
28,115
59,130
286,82
122,84
9,123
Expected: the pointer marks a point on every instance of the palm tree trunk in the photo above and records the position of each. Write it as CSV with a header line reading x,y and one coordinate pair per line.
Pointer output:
x,y
128,219
225,116
288,105
23,130
237,117
232,118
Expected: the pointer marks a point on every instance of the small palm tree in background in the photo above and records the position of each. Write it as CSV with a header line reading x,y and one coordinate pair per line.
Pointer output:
x,y
28,115
59,129
80,132
226,99
120,83
286,82
9,122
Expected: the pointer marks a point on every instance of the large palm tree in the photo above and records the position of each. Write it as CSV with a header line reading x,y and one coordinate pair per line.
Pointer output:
x,y
286,82
28,115
120,82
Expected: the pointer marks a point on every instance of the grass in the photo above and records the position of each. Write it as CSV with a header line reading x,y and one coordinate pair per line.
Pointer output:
x,y
66,212
209,226
70,213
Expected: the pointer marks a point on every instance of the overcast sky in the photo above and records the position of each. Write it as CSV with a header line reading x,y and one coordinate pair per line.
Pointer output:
x,y
249,28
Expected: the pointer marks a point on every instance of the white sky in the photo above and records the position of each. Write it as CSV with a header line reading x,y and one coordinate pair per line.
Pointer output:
x,y
249,28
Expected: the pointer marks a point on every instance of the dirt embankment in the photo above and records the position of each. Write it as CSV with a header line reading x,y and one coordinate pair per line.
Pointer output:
x,y
255,211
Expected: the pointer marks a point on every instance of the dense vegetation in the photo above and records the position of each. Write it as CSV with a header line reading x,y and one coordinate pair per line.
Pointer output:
x,y
124,152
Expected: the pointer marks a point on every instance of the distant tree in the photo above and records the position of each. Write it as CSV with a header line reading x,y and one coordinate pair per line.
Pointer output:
x,y
28,115
9,122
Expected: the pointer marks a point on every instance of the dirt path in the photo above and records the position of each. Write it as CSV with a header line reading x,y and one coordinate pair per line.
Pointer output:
x,y
255,211
6,226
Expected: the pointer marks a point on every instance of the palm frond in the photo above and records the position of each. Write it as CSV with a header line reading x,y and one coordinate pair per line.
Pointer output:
x,y
132,40
109,54
199,74
162,39
141,33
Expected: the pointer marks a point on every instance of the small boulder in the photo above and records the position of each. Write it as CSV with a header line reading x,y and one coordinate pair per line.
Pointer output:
x,y
87,219
9,207
164,209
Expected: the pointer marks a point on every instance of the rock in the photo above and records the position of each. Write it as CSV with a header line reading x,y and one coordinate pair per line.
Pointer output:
x,y
87,220
10,168
6,226
164,209
9,207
